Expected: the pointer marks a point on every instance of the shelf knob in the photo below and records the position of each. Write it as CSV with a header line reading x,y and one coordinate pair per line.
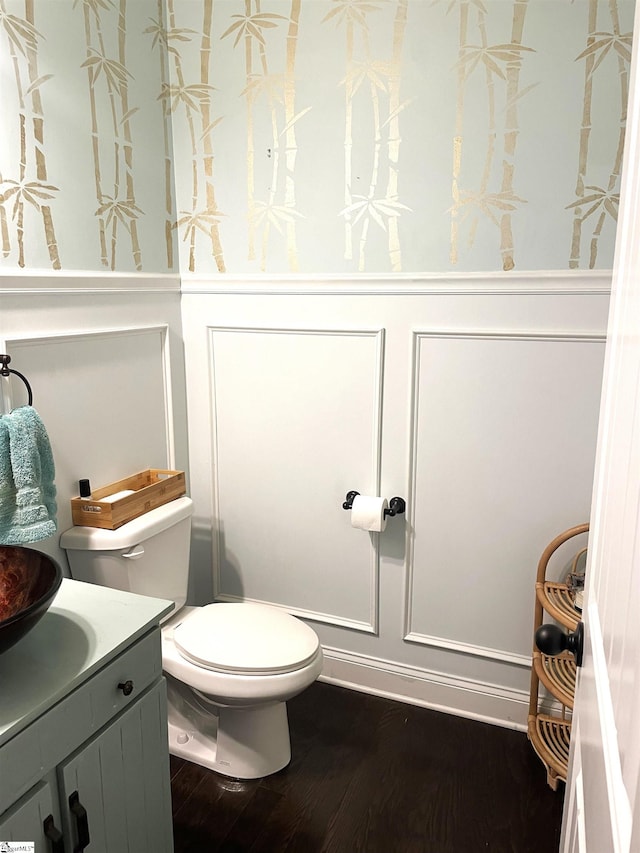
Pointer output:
x,y
552,640
126,687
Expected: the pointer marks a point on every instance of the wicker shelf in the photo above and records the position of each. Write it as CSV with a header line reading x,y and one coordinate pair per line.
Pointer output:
x,y
555,599
550,735
558,674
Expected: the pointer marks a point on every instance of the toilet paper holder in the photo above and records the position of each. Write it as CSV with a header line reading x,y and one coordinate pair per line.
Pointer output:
x,y
396,505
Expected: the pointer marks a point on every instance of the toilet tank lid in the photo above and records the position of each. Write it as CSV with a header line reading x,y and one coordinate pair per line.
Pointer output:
x,y
132,533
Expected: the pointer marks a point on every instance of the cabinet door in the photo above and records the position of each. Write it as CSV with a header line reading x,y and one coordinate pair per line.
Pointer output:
x,y
25,821
120,779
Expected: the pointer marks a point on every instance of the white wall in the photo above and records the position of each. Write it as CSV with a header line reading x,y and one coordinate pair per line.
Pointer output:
x,y
345,147
476,400
104,358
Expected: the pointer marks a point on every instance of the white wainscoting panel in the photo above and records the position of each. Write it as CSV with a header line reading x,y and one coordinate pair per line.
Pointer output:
x,y
296,423
498,434
105,399
482,412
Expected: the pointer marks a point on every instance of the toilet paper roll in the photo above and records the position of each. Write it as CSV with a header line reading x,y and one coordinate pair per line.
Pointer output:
x,y
367,513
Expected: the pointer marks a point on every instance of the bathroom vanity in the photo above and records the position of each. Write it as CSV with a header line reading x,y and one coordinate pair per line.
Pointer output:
x,y
84,760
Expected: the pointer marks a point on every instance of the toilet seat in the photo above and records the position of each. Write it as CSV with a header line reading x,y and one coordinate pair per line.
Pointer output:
x,y
245,639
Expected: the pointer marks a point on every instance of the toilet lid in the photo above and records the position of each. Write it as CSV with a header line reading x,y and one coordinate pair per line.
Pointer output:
x,y
245,639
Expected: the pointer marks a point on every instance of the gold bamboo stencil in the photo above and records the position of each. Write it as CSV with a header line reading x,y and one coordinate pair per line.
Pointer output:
x,y
28,189
161,44
187,106
279,135
270,95
377,81
500,61
111,115
597,203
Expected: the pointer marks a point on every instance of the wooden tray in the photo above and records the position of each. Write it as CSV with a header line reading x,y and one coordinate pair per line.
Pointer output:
x,y
148,489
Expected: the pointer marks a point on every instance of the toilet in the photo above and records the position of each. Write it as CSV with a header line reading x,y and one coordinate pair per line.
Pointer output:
x,y
230,667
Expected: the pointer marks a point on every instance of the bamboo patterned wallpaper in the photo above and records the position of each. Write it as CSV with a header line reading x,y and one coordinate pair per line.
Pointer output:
x,y
313,136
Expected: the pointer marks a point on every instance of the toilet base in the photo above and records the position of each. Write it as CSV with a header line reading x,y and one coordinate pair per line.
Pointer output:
x,y
243,743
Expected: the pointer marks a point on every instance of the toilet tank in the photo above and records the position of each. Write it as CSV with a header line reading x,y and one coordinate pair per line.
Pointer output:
x,y
149,555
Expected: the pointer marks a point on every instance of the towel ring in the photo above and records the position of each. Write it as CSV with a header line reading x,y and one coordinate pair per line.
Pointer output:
x,y
5,370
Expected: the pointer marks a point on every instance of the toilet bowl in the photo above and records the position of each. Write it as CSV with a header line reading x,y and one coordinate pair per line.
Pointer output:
x,y
237,663
230,666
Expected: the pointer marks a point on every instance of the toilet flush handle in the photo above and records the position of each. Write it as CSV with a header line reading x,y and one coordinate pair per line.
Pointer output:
x,y
135,553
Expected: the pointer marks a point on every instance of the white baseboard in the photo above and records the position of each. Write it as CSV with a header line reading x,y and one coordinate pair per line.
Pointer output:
x,y
475,700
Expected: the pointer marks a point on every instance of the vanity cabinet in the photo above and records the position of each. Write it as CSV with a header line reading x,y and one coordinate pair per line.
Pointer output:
x,y
35,817
84,759
549,730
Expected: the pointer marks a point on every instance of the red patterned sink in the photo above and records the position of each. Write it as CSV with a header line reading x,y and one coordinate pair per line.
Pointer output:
x,y
29,581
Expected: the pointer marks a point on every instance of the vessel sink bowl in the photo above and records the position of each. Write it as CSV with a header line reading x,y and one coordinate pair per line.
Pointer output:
x,y
29,581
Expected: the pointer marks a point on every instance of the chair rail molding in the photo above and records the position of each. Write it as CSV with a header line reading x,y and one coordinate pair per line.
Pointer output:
x,y
534,282
86,281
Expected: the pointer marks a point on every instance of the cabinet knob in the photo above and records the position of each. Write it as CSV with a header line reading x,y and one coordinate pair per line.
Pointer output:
x,y
126,687
552,640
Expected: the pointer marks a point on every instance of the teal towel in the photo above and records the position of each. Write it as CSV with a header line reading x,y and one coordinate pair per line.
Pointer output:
x,y
27,490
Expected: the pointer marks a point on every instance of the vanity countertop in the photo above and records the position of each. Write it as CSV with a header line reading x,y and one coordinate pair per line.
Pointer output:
x,y
85,626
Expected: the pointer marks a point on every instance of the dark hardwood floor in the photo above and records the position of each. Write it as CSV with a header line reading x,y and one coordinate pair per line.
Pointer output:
x,y
370,775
